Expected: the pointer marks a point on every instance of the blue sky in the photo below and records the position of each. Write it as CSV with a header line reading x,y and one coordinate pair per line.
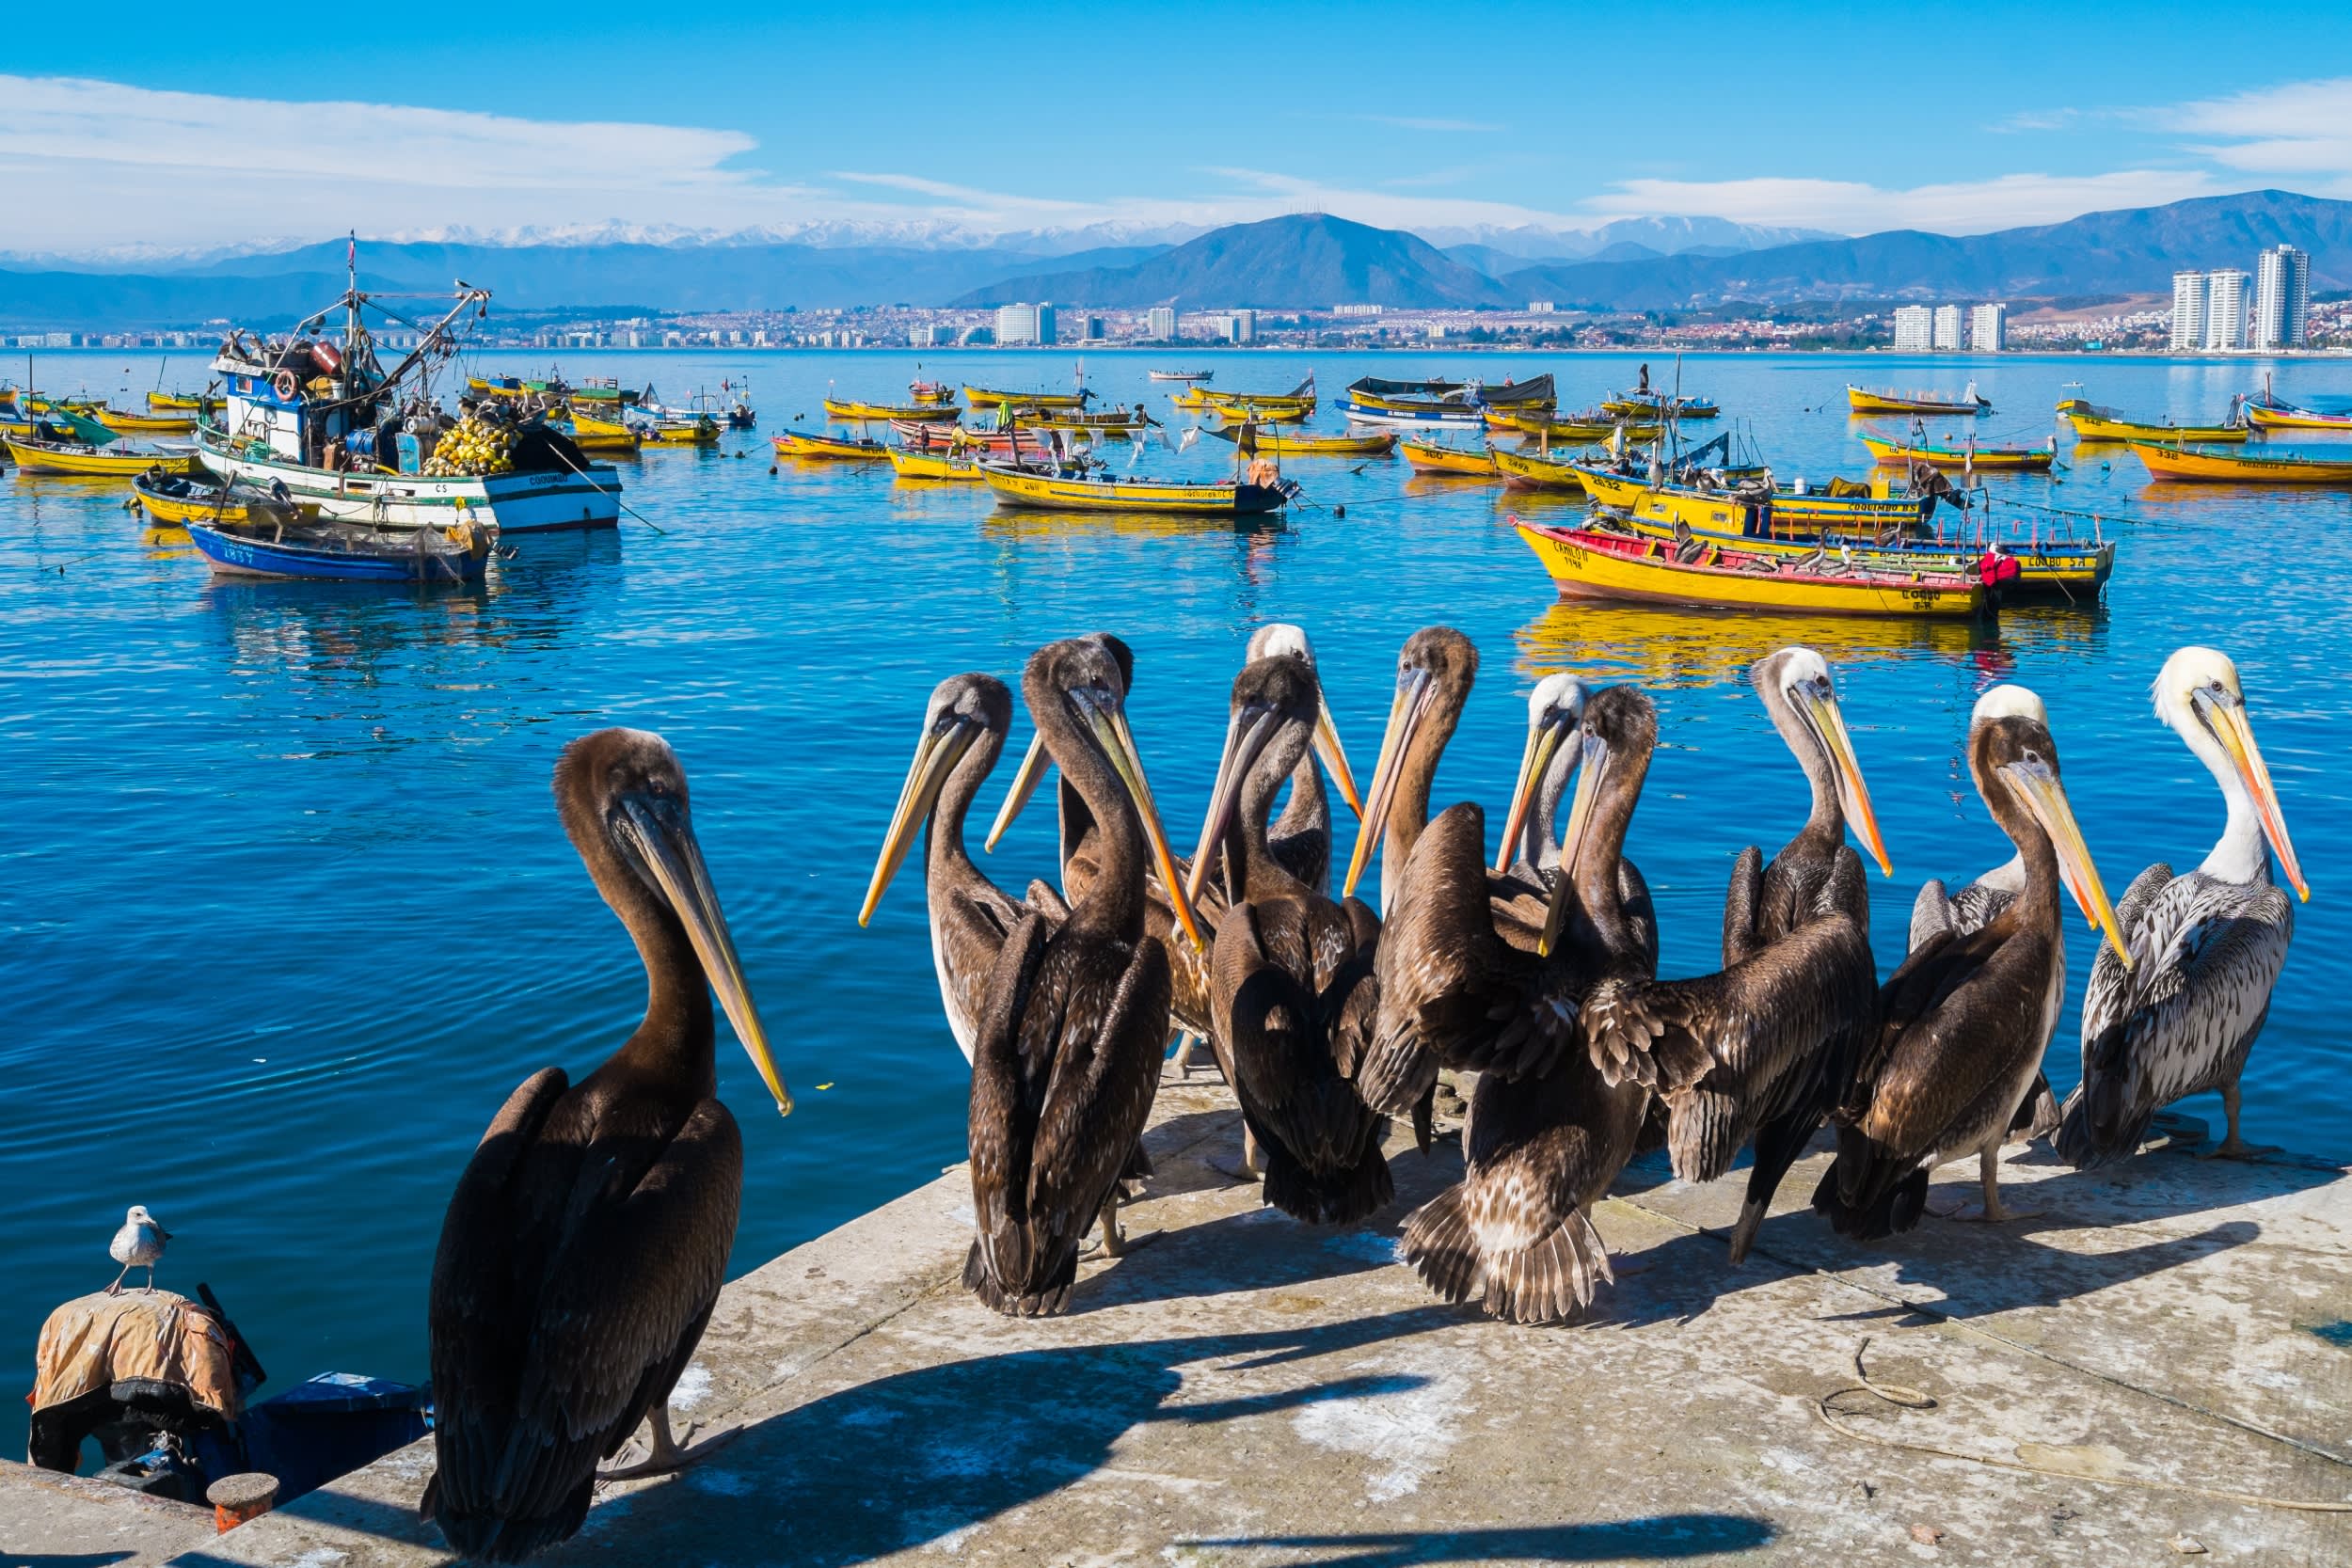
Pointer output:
x,y
165,126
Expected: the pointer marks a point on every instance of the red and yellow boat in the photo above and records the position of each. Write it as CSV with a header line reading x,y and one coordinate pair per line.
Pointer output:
x,y
2239,467
1593,563
2268,413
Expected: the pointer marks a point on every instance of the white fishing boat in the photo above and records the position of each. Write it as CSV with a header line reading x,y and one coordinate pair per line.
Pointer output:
x,y
1194,377
329,427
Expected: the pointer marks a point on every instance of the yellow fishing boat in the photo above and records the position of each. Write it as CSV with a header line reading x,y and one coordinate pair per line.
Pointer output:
x,y
2239,467
1862,400
1938,454
1227,498
1194,401
819,446
983,396
1658,406
1435,457
1300,444
143,424
76,457
2106,424
1578,429
2267,413
591,433
179,403
851,411
702,431
933,464
175,500
1589,564
1264,410
1527,470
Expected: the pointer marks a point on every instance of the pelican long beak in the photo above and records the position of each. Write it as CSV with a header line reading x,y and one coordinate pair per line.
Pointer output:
x,y
935,757
1590,767
1543,740
1034,763
656,830
1334,756
2036,785
1820,706
1244,741
1414,687
2230,726
1109,721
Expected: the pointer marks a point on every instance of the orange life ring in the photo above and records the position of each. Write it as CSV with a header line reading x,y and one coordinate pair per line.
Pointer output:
x,y
283,384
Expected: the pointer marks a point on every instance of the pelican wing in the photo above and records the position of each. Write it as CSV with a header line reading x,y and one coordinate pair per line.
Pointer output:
x,y
1932,915
1042,898
2107,998
1641,915
1284,1035
1002,1114
477,1318
624,1303
1105,1074
1452,991
1743,906
2208,955
1952,1021
1767,1037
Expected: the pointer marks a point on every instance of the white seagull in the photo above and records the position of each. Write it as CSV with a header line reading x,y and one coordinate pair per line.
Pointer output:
x,y
136,1245
2206,947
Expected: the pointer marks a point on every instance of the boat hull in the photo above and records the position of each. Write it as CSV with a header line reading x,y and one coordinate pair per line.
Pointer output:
x,y
2073,574
1050,494
1860,516
234,556
1363,408
2295,418
1435,457
933,465
2014,459
875,413
40,457
828,448
2234,468
2093,424
1525,471
1861,400
983,396
1585,565
511,503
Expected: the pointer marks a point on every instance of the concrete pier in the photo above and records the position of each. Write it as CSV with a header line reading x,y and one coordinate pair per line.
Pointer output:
x,y
1245,1390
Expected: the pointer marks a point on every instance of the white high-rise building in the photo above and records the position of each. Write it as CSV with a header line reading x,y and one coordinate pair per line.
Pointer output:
x,y
1160,322
1017,323
2225,308
1915,329
2189,311
1988,328
1245,327
2282,298
1948,322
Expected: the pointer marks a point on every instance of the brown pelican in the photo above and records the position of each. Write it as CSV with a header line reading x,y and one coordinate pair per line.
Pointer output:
x,y
1300,839
1517,1233
1962,1023
1530,858
1760,1049
963,733
1067,1057
1936,911
1291,976
2206,948
584,1246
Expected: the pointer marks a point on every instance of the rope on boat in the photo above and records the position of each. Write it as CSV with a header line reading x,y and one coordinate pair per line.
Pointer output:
x,y
1912,1399
612,496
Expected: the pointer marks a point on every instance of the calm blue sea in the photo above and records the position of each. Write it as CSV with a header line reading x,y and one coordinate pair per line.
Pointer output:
x,y
286,911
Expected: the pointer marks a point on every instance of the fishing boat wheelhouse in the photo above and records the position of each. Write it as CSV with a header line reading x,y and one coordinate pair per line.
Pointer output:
x,y
341,434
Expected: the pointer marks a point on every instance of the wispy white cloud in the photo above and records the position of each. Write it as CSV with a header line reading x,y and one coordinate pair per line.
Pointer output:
x,y
2038,121
2296,129
1963,207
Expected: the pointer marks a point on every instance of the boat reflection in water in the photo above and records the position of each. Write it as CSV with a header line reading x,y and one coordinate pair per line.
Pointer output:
x,y
1663,647
1666,648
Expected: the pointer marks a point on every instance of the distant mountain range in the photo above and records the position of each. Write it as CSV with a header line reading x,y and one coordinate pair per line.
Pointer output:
x,y
1302,261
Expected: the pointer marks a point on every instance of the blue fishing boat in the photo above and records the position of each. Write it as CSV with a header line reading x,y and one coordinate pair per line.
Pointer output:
x,y
348,554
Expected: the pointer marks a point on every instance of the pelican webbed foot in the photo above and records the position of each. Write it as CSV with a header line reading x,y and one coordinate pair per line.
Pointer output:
x,y
663,1455
2235,1148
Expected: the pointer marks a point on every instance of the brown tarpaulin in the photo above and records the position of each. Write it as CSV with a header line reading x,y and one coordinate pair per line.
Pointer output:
x,y
94,1341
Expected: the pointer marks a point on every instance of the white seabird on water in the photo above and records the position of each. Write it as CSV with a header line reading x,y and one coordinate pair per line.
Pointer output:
x,y
137,1246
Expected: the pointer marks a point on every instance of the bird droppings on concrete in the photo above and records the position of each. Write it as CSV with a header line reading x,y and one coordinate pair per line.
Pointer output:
x,y
694,1387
